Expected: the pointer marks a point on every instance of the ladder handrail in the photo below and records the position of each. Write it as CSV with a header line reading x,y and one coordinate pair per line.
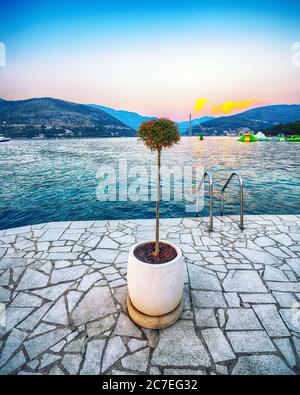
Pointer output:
x,y
210,180
241,197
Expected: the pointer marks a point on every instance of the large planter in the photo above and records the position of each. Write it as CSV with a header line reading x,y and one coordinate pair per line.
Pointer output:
x,y
155,289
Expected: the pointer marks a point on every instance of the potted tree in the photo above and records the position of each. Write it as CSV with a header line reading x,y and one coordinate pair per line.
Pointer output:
x,y
155,271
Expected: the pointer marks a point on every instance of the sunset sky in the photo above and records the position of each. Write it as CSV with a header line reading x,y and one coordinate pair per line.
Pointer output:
x,y
162,58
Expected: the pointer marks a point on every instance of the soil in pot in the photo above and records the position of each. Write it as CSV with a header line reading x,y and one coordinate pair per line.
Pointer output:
x,y
145,253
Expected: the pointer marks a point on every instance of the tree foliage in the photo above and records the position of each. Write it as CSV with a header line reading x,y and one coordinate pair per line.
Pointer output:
x,y
159,134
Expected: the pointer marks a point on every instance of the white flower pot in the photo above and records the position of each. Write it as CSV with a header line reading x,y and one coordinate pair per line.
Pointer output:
x,y
155,289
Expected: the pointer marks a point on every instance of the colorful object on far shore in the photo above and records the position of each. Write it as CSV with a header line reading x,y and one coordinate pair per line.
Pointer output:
x,y
248,138
281,137
261,137
295,139
201,137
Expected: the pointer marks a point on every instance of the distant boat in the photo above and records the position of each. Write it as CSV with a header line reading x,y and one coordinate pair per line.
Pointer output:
x,y
3,139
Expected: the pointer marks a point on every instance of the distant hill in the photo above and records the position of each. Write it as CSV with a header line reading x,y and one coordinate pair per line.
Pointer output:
x,y
54,118
131,119
134,119
254,120
289,129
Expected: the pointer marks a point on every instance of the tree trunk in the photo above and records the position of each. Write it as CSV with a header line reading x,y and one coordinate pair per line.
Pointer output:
x,y
156,252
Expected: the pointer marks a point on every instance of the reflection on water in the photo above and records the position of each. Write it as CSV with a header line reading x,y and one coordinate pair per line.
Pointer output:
x,y
55,180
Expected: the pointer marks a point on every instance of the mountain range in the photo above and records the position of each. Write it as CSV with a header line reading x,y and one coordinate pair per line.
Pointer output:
x,y
252,120
48,118
134,120
55,118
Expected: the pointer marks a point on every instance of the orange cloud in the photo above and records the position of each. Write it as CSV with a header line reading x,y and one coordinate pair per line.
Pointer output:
x,y
200,103
230,106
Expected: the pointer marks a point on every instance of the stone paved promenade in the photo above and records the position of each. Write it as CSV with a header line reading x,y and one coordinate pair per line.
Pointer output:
x,y
64,288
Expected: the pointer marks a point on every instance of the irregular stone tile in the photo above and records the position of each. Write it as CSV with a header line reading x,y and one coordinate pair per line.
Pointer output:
x,y
56,371
117,283
42,328
261,365
88,280
274,274
114,351
208,299
58,313
104,255
218,345
53,292
57,256
6,262
294,264
205,318
59,346
95,304
108,243
125,327
250,341
32,279
42,246
221,369
102,325
179,346
13,364
4,279
46,268
75,345
243,281
135,344
13,316
264,241
137,361
284,286
291,318
202,280
126,239
257,298
41,343
71,363
14,340
23,244
26,300
93,356
242,319
4,295
62,264
283,239
72,298
32,320
48,359
17,231
271,320
152,336
285,299
255,256
52,235
232,299
68,274
285,347
92,241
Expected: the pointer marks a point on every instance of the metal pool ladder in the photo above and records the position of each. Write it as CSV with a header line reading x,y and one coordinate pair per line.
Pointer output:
x,y
210,180
241,198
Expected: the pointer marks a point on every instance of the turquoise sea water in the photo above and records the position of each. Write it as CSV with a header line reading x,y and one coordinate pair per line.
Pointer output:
x,y
55,180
